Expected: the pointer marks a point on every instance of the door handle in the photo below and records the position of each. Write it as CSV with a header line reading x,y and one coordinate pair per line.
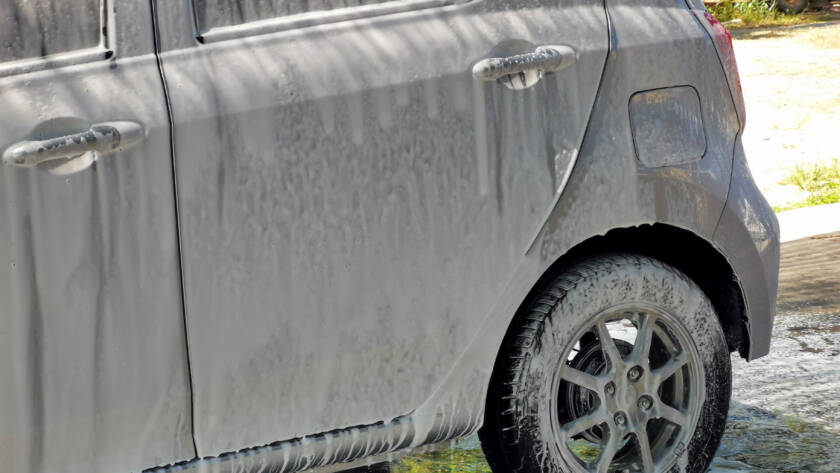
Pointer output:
x,y
524,70
102,138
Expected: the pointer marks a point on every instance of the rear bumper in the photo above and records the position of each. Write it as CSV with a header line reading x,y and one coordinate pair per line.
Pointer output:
x,y
748,235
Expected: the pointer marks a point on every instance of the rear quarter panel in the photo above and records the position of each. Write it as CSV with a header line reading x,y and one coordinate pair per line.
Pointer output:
x,y
653,45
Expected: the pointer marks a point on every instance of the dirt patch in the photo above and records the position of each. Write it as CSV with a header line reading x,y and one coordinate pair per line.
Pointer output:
x,y
819,36
809,280
791,82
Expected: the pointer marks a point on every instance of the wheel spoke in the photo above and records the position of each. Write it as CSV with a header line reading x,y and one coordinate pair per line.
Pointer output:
x,y
667,370
608,346
644,449
580,378
583,423
644,337
608,451
672,415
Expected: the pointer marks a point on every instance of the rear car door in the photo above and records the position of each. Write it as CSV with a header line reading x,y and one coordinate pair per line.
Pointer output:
x,y
93,372
352,199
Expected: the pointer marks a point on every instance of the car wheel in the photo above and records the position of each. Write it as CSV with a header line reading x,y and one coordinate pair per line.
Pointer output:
x,y
619,365
792,6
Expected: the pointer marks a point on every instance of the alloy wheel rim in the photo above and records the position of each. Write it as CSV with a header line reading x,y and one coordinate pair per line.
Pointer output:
x,y
639,404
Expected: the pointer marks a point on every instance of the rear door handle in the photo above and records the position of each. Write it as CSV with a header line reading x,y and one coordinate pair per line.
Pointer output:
x,y
526,68
102,138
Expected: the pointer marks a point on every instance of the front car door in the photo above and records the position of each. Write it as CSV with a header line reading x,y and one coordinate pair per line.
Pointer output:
x,y
352,199
93,372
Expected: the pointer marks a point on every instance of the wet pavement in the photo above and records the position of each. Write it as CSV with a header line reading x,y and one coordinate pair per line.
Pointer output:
x,y
785,412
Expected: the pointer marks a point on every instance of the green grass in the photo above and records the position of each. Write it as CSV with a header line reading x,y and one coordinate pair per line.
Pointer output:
x,y
468,457
755,13
453,460
821,181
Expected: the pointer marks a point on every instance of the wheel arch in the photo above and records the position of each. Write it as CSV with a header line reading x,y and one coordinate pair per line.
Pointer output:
x,y
688,252
456,410
683,249
518,358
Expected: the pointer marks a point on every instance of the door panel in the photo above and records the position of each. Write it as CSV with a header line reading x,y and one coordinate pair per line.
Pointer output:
x,y
93,373
352,200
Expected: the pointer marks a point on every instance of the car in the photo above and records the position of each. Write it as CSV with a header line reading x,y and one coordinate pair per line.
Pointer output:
x,y
253,236
792,6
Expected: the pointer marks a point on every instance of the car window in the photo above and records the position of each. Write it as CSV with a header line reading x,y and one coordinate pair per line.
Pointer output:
x,y
33,28
213,13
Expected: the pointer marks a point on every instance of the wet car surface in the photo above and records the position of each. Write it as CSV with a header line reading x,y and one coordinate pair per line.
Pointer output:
x,y
785,411
248,239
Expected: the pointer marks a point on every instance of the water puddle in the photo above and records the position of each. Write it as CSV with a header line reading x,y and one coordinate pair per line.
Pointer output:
x,y
758,440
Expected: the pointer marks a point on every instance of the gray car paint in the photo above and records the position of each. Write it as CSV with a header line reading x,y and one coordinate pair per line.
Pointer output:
x,y
609,188
35,28
748,234
352,201
93,373
106,389
667,126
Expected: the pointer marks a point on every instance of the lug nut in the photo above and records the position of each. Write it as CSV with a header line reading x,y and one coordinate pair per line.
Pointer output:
x,y
635,373
645,402
609,389
620,418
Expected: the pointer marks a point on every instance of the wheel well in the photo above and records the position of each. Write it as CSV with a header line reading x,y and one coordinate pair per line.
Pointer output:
x,y
682,249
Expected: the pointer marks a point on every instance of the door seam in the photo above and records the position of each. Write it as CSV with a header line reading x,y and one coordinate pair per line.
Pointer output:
x,y
171,123
567,178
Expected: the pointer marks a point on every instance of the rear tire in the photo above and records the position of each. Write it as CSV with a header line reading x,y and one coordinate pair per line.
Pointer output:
x,y
792,6
599,407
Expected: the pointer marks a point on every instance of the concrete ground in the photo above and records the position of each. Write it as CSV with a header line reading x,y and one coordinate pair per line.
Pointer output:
x,y
807,221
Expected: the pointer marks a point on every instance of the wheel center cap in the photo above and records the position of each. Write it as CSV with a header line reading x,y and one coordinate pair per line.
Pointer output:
x,y
626,396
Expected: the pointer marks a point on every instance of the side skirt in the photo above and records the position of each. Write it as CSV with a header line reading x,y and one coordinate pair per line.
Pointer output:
x,y
331,451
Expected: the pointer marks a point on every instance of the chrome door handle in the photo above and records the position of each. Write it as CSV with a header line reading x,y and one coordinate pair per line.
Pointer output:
x,y
543,60
103,138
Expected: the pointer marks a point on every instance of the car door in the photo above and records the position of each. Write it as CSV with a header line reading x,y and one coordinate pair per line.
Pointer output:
x,y
352,199
93,372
